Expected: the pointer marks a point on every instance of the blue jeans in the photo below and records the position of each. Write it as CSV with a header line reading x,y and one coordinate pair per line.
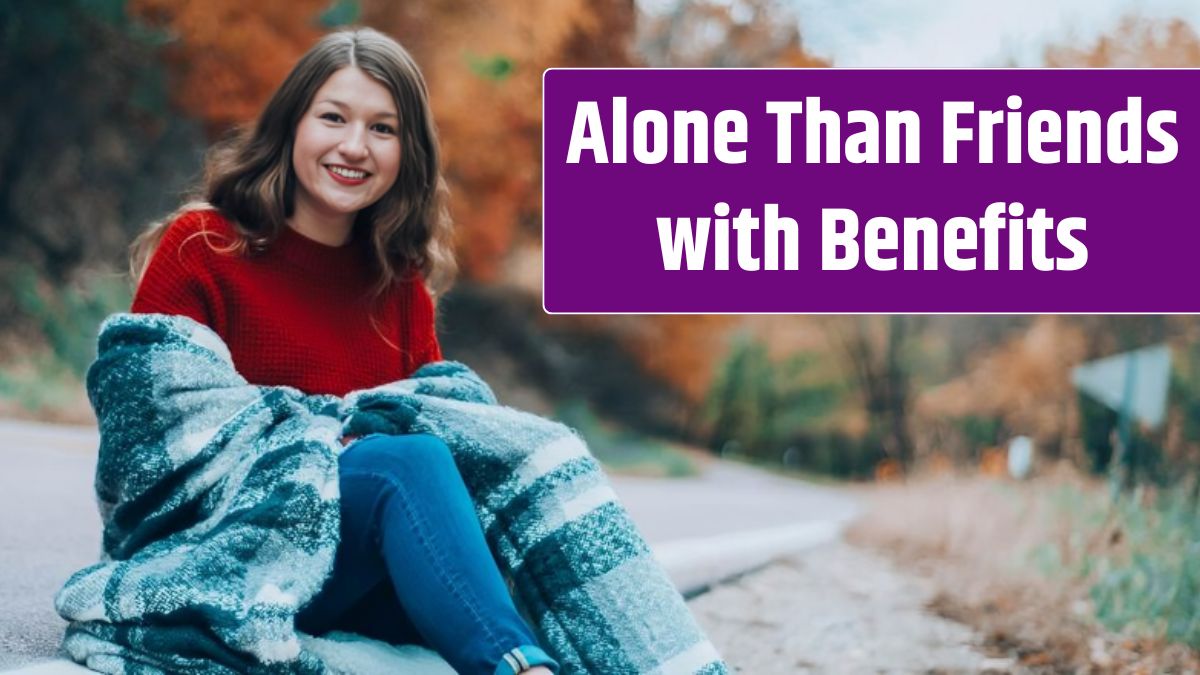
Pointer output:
x,y
413,566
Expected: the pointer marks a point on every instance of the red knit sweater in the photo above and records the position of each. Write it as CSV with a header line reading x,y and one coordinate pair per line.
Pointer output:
x,y
298,314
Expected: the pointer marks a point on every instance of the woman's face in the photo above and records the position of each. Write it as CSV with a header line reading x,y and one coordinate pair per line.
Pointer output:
x,y
347,148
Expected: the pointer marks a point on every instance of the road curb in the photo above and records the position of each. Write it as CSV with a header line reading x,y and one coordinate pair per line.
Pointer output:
x,y
698,564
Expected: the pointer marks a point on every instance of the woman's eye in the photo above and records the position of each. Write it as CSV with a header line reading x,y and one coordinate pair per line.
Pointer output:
x,y
384,129
331,116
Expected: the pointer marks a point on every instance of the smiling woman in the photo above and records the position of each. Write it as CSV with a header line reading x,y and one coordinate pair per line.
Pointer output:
x,y
325,221
310,256
352,492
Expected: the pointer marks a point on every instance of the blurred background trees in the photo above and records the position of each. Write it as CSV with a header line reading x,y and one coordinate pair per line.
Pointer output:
x,y
87,142
111,104
1135,43
714,34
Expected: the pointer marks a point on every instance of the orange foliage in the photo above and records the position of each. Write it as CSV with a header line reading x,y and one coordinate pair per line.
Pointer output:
x,y
683,350
889,471
1136,43
229,55
994,463
484,63
1026,382
938,464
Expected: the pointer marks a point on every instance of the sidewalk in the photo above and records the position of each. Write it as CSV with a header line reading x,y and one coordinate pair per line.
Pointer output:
x,y
726,522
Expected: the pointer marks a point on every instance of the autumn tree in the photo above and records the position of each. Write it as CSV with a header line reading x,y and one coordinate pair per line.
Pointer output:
x,y
88,150
1023,384
1135,43
484,63
227,56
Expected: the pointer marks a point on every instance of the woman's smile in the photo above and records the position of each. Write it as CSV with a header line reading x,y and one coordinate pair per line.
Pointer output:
x,y
347,175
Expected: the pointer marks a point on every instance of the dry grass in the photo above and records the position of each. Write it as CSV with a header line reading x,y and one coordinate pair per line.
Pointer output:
x,y
1005,557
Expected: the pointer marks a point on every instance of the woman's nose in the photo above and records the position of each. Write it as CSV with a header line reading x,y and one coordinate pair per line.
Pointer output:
x,y
354,144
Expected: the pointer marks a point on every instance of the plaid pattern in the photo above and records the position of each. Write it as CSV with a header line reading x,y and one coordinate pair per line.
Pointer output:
x,y
220,512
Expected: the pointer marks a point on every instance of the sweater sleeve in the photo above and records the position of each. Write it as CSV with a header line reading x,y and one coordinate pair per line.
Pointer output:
x,y
177,281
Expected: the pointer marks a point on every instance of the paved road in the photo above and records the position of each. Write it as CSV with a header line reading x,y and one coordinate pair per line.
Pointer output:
x,y
48,529
725,521
726,498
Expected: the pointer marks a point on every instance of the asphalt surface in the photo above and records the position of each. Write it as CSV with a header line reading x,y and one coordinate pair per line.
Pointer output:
x,y
49,528
704,529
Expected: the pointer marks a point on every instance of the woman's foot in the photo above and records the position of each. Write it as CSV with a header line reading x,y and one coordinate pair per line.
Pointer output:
x,y
537,670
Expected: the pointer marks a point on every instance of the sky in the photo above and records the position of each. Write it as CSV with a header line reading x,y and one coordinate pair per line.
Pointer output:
x,y
963,32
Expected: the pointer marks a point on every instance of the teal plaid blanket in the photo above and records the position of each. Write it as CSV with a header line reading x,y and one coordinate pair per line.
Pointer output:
x,y
219,501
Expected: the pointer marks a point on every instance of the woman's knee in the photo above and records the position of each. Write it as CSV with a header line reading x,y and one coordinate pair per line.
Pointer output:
x,y
410,457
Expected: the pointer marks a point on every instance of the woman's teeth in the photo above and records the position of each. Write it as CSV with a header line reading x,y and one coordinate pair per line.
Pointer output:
x,y
348,173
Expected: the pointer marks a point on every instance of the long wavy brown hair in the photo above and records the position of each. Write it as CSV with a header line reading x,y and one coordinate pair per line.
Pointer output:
x,y
250,179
